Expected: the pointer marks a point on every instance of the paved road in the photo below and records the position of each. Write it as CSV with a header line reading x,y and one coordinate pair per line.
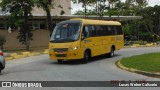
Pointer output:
x,y
40,68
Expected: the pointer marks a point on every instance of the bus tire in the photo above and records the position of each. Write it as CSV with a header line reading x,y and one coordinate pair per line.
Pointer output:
x,y
111,54
60,61
87,56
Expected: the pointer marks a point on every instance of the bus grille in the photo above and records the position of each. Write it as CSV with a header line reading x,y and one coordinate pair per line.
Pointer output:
x,y
60,49
61,55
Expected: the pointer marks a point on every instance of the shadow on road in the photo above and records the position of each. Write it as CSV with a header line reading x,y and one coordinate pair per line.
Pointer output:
x,y
79,62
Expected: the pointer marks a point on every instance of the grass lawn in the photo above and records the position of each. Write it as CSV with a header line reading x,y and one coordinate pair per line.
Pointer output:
x,y
146,62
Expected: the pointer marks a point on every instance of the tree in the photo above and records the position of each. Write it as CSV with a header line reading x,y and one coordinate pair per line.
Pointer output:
x,y
151,19
82,12
85,3
146,27
20,11
2,41
47,5
101,7
107,7
112,6
157,19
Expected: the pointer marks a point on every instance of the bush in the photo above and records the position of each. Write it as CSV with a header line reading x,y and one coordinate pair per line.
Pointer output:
x,y
141,42
146,37
2,41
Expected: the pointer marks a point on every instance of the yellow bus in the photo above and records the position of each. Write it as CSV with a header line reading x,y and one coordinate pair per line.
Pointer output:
x,y
82,39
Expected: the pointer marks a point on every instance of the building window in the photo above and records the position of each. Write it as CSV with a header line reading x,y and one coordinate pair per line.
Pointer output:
x,y
35,26
42,26
2,26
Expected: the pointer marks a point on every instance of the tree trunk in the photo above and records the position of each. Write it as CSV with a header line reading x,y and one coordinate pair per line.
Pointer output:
x,y
96,8
85,10
159,27
26,29
1,47
109,10
49,18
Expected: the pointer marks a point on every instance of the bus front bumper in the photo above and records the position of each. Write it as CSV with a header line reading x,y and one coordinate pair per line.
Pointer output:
x,y
73,55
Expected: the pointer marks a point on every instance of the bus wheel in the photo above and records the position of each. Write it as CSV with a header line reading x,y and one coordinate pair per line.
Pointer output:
x,y
60,61
86,57
111,54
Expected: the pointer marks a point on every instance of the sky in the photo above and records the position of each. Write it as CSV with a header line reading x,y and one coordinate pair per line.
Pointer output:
x,y
76,7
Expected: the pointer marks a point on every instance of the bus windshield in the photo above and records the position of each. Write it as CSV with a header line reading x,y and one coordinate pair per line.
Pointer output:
x,y
66,32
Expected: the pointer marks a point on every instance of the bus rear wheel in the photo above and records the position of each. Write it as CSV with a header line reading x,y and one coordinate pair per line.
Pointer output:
x,y
111,54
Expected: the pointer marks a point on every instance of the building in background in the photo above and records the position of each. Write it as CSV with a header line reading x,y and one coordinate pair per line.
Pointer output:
x,y
38,23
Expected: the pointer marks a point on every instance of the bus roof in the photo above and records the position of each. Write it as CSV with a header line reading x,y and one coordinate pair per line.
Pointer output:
x,y
97,22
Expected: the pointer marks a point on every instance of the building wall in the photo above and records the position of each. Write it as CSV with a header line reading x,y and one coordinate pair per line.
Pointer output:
x,y
66,4
40,39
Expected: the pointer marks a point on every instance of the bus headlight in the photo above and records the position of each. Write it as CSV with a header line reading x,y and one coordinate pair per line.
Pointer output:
x,y
75,48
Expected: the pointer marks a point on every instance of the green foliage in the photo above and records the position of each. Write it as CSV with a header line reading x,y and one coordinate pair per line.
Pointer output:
x,y
85,3
150,24
24,38
144,62
82,12
47,5
62,12
111,7
143,29
2,41
20,11
129,29
146,36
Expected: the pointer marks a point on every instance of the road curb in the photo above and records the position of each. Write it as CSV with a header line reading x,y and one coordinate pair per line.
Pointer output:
x,y
13,56
119,65
142,46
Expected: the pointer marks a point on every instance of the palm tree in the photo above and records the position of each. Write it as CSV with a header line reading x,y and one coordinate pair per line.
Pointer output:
x,y
112,5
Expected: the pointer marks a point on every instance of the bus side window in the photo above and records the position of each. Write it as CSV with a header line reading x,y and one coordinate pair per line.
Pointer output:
x,y
113,31
93,31
98,30
85,32
90,30
106,28
109,31
104,31
119,30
